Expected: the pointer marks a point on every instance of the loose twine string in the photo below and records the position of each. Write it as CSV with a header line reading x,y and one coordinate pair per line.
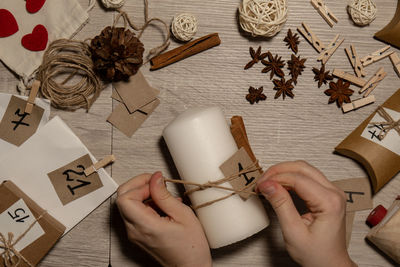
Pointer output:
x,y
216,184
387,125
9,249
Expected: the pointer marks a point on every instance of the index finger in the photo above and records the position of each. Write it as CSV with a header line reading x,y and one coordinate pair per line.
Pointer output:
x,y
134,183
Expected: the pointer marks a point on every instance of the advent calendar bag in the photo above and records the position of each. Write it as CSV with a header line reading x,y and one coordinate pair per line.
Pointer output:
x,y
379,156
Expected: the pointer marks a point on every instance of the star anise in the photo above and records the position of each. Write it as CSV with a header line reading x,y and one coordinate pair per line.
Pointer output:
x,y
256,56
339,92
296,67
292,40
322,76
283,87
274,65
255,95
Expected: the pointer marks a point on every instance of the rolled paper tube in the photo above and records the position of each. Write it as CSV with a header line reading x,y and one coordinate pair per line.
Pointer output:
x,y
199,141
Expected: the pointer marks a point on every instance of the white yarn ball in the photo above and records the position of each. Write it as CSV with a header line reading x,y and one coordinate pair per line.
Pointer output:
x,y
362,12
113,3
263,17
184,26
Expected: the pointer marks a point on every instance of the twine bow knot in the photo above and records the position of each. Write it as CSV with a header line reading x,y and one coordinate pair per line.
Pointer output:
x,y
387,125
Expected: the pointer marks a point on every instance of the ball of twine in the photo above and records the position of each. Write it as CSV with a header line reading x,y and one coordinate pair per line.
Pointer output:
x,y
64,62
113,3
362,12
263,17
184,26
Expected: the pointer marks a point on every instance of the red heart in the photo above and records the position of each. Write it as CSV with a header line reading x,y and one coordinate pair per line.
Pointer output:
x,y
8,24
34,6
37,40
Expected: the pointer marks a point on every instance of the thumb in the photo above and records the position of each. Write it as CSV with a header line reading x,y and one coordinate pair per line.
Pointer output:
x,y
170,205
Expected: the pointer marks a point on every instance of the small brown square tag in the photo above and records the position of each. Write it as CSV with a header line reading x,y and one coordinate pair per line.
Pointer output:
x,y
70,181
358,193
17,126
239,161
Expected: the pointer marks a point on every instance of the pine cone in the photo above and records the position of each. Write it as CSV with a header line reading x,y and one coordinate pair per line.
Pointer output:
x,y
116,53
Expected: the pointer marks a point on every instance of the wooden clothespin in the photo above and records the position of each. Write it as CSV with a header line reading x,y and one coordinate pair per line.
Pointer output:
x,y
355,61
311,37
324,11
326,54
376,56
373,82
358,103
349,77
32,96
100,164
394,57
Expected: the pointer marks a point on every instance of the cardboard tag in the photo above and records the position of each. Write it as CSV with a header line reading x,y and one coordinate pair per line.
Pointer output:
x,y
115,96
17,126
236,163
17,219
136,92
349,226
70,181
128,123
358,193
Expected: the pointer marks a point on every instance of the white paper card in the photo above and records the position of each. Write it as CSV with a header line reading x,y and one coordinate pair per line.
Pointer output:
x,y
5,147
391,140
17,219
52,147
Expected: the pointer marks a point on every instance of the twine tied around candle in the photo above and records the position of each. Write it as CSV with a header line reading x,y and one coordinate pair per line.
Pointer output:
x,y
10,251
387,125
216,184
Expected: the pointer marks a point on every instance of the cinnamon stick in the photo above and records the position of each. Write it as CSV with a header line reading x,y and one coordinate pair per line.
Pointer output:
x,y
185,51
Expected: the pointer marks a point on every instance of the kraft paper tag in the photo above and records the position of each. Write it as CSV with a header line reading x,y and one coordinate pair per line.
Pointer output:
x,y
358,193
235,164
128,123
70,181
17,126
17,219
136,92
115,96
349,226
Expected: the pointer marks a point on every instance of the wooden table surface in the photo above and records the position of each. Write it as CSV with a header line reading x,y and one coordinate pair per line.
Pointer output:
x,y
305,127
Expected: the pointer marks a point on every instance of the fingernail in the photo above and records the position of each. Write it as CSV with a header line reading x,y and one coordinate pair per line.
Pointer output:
x,y
267,189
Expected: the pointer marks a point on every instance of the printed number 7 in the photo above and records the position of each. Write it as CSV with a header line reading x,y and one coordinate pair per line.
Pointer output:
x,y
16,215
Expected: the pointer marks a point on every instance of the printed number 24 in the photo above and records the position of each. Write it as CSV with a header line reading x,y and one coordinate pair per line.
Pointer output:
x,y
18,213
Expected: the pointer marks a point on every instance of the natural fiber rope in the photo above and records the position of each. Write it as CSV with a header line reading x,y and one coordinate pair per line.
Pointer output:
x,y
113,3
263,17
216,184
387,125
73,58
9,249
184,26
362,12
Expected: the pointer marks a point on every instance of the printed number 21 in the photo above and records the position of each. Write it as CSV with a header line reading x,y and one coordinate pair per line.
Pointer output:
x,y
17,215
82,182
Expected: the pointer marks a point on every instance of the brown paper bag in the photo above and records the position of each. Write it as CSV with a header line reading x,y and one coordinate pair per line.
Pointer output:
x,y
386,234
381,163
18,210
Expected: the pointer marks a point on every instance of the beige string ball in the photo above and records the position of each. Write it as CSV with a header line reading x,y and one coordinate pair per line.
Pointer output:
x,y
263,17
114,4
362,12
184,26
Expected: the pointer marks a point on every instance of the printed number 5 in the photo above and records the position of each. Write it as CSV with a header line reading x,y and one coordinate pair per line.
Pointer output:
x,y
17,215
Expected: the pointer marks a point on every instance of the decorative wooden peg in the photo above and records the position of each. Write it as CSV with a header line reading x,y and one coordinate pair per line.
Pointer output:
x,y
373,82
355,61
311,37
32,96
358,103
396,62
376,56
100,164
349,77
324,11
326,54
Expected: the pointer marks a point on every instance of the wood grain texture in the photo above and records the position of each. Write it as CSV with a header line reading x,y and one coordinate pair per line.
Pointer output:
x,y
279,130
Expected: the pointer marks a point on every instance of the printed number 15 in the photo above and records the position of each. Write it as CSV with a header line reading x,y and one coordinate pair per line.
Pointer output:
x,y
18,213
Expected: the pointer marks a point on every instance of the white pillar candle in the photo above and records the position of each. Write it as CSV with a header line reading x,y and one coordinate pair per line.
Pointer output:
x,y
199,141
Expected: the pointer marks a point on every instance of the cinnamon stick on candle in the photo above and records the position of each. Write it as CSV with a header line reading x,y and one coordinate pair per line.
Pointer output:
x,y
185,51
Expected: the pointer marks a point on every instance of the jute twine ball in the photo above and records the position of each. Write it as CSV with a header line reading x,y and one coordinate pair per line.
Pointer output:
x,y
184,26
113,3
362,12
263,17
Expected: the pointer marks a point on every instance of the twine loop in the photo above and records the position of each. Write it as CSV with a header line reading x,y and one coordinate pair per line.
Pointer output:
x,y
184,26
362,12
263,17
387,125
